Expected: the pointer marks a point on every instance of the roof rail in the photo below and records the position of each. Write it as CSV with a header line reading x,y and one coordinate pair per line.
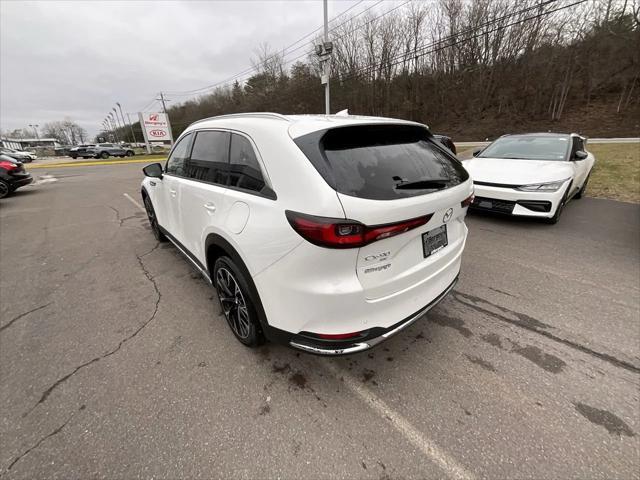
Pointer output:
x,y
277,116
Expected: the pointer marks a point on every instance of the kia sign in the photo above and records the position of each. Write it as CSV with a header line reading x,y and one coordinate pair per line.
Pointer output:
x,y
155,127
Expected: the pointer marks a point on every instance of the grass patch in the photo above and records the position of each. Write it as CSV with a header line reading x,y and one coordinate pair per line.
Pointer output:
x,y
160,157
616,174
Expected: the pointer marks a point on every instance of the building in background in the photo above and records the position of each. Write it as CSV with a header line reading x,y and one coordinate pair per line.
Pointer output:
x,y
24,143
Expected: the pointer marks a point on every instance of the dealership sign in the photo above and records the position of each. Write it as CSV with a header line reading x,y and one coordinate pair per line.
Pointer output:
x,y
155,127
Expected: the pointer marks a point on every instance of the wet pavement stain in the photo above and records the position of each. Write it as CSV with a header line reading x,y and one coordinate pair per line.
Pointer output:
x,y
481,362
299,380
367,375
264,410
613,424
522,318
451,322
492,339
549,362
497,290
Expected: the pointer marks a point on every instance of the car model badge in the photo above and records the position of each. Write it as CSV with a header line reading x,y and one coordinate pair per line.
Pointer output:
x,y
447,215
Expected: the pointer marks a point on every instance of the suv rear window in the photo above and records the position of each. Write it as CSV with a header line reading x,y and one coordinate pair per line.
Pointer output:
x,y
381,162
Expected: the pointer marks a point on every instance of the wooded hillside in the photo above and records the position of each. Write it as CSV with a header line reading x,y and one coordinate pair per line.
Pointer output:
x,y
470,69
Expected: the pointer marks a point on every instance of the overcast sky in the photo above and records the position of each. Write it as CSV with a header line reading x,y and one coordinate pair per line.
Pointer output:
x,y
76,59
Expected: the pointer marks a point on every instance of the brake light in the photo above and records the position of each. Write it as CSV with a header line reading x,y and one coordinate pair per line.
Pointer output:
x,y
467,201
340,233
8,166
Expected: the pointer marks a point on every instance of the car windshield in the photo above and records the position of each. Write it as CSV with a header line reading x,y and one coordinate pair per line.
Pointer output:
x,y
528,147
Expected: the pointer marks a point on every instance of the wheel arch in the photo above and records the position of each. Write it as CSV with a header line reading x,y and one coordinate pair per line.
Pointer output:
x,y
217,246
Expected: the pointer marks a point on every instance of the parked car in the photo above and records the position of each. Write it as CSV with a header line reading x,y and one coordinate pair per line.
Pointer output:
x,y
329,234
446,141
12,175
83,151
532,175
106,150
21,155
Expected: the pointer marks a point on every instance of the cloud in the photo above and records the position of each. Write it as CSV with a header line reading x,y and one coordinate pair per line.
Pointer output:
x,y
76,59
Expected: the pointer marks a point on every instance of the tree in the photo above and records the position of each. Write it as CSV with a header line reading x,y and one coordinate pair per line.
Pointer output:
x,y
66,132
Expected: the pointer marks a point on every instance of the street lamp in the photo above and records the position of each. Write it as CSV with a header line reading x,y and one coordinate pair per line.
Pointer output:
x,y
133,137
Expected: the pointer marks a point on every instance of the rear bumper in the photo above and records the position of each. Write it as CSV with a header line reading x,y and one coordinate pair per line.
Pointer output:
x,y
304,299
372,338
21,182
515,202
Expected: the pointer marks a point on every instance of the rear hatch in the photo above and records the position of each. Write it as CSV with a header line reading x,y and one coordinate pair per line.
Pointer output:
x,y
396,175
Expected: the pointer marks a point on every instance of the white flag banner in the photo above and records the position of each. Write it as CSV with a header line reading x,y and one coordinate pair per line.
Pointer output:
x,y
155,126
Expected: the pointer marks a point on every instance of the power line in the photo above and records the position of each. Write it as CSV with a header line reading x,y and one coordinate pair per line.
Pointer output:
x,y
251,69
436,48
249,72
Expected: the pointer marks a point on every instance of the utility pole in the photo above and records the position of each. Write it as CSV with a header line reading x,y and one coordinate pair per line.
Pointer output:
x,y
162,100
164,110
323,51
327,109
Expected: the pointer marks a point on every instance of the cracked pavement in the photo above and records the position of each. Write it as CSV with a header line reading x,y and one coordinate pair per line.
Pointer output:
x,y
115,363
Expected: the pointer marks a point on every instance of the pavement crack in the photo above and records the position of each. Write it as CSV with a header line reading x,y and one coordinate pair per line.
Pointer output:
x,y
22,315
62,380
39,442
115,210
470,301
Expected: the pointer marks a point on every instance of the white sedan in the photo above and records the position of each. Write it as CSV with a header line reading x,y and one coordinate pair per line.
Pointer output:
x,y
533,174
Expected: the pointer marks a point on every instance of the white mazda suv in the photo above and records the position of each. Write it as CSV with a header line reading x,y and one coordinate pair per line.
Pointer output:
x,y
533,174
327,233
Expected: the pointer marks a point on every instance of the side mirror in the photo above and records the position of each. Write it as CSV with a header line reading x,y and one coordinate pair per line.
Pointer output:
x,y
476,152
580,155
154,170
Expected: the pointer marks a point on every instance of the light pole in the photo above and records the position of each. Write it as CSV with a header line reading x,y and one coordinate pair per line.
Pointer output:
x,y
35,129
113,123
115,114
133,138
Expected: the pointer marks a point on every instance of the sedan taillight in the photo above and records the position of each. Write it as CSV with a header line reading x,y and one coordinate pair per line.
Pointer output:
x,y
340,233
9,166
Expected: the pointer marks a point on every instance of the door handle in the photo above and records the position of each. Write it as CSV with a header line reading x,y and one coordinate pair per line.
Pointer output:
x,y
173,192
153,184
210,207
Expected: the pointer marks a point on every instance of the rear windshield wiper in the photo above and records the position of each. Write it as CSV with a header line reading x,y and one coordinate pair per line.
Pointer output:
x,y
431,183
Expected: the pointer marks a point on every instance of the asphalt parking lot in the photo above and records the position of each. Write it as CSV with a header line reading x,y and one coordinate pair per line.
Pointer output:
x,y
115,363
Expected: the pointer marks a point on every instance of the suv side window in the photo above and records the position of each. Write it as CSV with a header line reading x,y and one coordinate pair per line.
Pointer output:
x,y
209,160
244,170
176,163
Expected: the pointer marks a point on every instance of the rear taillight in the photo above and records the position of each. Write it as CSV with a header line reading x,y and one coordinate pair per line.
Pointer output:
x,y
341,233
467,201
8,166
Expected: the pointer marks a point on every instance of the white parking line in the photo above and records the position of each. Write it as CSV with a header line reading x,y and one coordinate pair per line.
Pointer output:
x,y
448,464
134,202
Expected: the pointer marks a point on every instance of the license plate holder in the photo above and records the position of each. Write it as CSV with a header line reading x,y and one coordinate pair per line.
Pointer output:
x,y
434,240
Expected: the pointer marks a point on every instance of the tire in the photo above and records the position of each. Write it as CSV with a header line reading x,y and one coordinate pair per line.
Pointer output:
x,y
121,156
74,156
153,220
556,216
130,153
237,303
104,155
583,188
4,189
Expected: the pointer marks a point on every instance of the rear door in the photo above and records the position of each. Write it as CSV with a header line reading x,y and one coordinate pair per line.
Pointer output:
x,y
392,174
202,190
